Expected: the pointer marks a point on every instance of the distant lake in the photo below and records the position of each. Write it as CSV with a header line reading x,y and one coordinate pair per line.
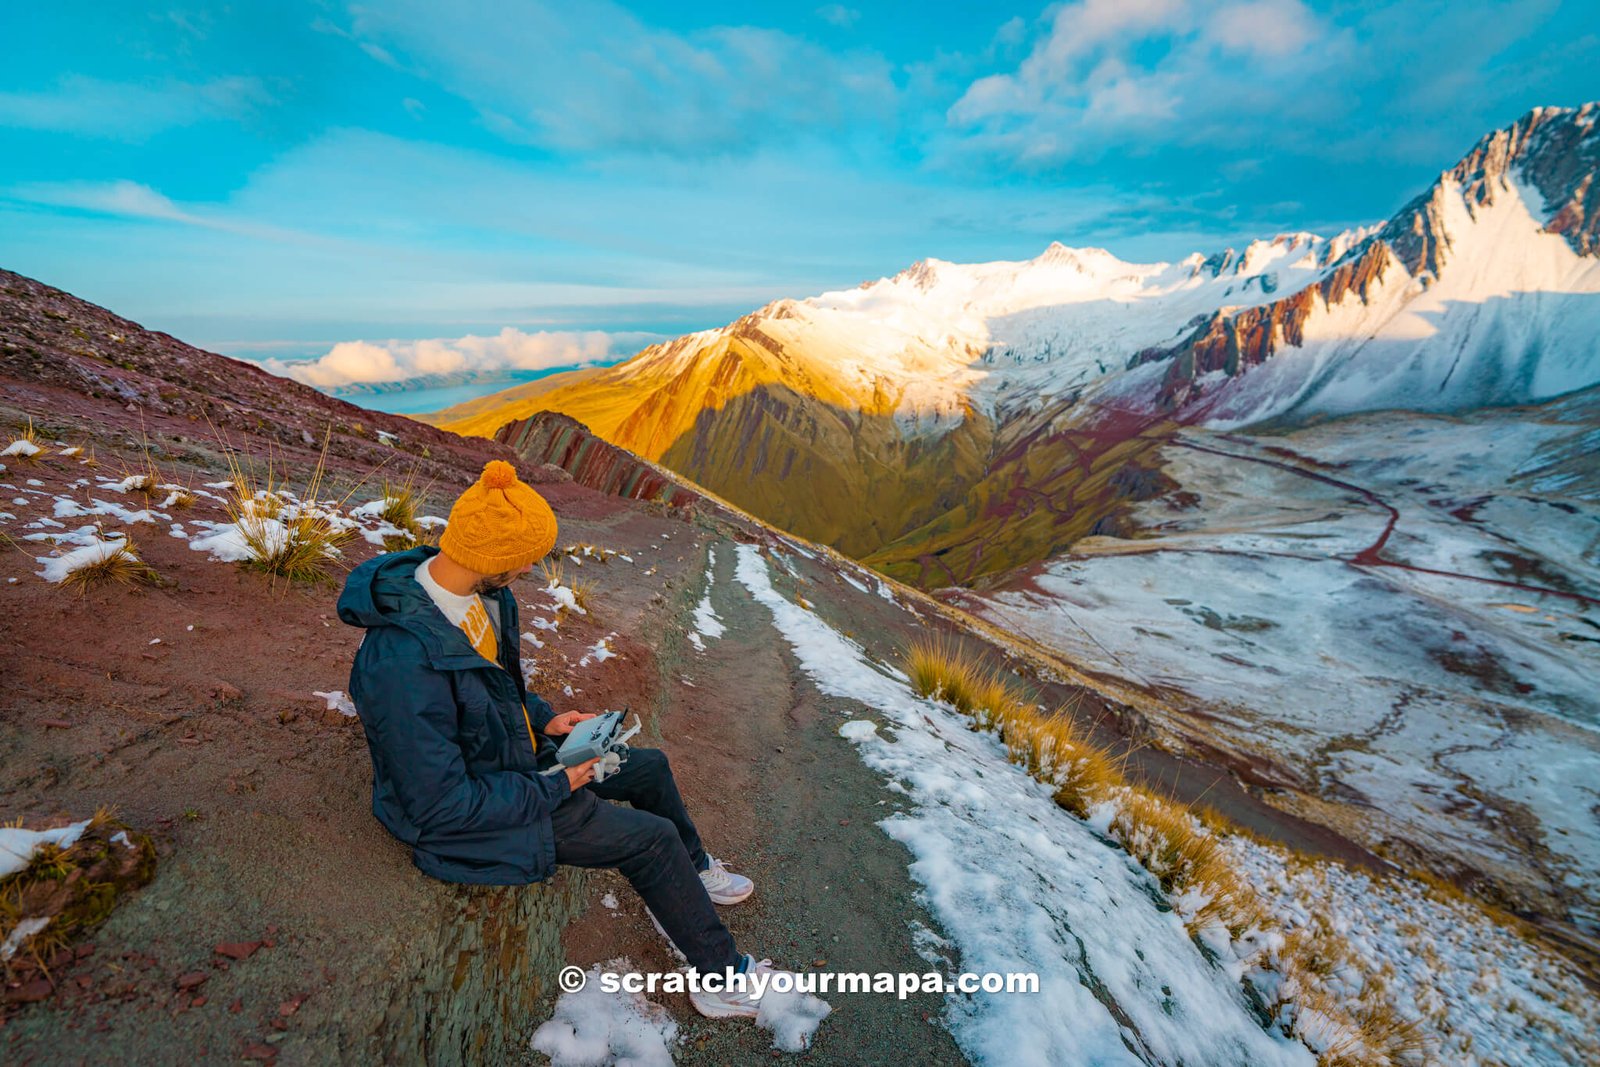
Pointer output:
x,y
435,398
413,401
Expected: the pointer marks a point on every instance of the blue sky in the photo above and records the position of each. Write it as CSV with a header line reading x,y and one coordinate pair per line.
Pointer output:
x,y
564,182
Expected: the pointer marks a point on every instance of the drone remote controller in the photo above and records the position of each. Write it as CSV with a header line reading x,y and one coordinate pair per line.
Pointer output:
x,y
601,738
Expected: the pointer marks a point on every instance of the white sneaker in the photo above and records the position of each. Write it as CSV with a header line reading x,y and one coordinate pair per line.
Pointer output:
x,y
723,886
730,1004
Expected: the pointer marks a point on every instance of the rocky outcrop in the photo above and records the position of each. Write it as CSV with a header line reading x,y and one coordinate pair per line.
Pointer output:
x,y
564,442
1233,343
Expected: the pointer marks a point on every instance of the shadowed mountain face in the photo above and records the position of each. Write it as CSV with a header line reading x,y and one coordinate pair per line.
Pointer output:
x,y
954,422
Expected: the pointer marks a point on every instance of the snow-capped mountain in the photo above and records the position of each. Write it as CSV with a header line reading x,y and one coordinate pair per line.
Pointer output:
x,y
933,404
1483,291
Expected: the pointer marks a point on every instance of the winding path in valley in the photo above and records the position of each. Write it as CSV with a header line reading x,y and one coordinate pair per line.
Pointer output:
x,y
1372,554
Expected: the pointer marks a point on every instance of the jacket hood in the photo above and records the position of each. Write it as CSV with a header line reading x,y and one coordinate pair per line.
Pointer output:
x,y
384,591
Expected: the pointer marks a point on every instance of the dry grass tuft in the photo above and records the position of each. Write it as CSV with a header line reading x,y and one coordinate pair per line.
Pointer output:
x,y
583,596
941,669
400,502
287,538
26,446
582,550
121,566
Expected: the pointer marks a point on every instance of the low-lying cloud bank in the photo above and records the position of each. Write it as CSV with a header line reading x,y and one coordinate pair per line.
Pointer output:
x,y
351,363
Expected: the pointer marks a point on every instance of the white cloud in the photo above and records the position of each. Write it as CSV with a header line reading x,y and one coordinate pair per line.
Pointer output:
x,y
1266,27
839,15
371,363
135,200
90,107
1100,71
594,76
125,198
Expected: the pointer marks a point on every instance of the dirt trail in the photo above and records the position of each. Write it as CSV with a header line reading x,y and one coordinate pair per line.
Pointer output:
x,y
776,792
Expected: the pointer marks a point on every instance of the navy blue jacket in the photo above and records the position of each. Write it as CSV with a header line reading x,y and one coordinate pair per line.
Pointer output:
x,y
454,768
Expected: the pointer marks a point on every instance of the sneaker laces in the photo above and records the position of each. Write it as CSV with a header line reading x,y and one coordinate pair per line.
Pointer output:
x,y
756,967
716,875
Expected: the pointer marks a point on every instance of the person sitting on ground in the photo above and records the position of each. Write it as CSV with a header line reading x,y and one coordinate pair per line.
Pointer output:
x,y
463,766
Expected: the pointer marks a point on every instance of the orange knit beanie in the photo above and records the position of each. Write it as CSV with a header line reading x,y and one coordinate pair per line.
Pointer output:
x,y
498,524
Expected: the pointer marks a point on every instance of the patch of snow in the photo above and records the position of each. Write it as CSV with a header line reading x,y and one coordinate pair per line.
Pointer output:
x,y
124,485
591,1027
338,701
56,568
848,577
66,507
20,933
707,624
20,447
858,730
599,652
564,597
225,542
792,1017
375,535
609,901
17,845
533,639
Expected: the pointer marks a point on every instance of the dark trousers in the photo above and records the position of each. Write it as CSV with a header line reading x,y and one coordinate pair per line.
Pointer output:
x,y
655,846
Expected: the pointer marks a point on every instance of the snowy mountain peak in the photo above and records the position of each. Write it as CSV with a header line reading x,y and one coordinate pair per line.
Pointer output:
x,y
1553,152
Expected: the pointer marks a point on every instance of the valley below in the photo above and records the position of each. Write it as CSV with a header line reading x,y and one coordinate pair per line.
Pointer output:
x,y
1389,623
